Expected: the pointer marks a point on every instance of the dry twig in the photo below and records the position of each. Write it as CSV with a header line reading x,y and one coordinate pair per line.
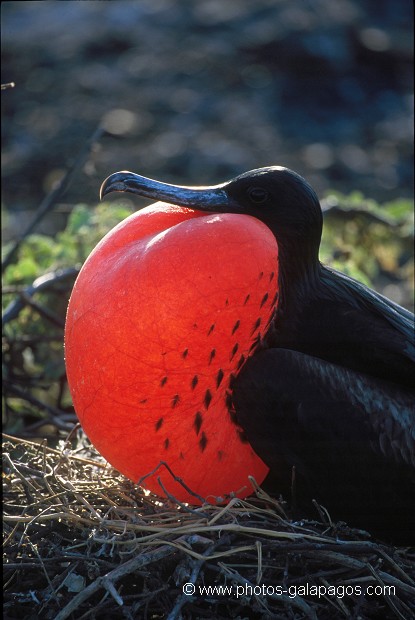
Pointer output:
x,y
82,541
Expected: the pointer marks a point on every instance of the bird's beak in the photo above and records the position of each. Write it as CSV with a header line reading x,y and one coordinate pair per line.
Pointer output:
x,y
212,198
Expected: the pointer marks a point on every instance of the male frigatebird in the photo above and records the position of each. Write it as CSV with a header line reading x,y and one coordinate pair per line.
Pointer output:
x,y
329,388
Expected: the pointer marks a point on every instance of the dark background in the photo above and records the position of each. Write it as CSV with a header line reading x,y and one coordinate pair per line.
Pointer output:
x,y
197,92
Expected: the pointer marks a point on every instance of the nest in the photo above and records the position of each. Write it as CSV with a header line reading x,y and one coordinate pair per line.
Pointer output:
x,y
81,541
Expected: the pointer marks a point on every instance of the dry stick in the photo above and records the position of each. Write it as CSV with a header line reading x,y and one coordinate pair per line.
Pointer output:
x,y
335,603
353,563
387,598
55,413
176,478
297,601
45,313
113,576
42,283
53,451
50,200
259,573
203,528
322,513
182,599
397,568
261,494
224,510
45,572
214,556
174,500
26,484
351,213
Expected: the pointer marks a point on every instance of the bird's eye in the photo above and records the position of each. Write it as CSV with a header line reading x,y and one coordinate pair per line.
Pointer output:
x,y
258,194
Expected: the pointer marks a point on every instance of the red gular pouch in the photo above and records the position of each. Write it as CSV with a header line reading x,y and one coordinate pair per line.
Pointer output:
x,y
163,315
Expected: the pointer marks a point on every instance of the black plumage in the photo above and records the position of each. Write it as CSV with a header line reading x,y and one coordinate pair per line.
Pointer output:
x,y
330,388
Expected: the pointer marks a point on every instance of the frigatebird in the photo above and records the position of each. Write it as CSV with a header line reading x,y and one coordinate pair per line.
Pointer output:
x,y
329,389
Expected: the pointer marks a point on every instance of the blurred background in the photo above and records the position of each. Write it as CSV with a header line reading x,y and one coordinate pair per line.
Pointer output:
x,y
197,92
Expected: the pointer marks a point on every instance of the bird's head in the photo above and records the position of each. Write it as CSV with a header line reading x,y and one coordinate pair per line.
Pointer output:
x,y
280,198
277,196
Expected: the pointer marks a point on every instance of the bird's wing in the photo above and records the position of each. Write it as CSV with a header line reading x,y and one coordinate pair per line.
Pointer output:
x,y
350,436
304,398
361,297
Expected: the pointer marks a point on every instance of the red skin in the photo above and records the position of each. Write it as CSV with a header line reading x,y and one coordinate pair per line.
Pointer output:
x,y
142,358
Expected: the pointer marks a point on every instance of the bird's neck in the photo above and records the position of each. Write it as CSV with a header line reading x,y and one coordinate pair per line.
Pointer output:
x,y
299,276
299,284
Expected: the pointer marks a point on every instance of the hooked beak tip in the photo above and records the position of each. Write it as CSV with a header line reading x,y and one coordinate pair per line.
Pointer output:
x,y
114,183
103,190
